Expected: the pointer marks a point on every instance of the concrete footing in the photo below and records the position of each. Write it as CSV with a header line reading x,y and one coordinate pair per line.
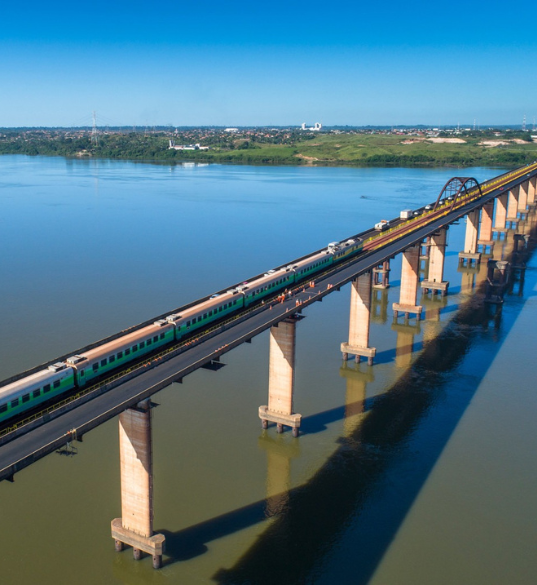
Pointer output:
x,y
435,287
152,545
486,244
368,352
469,258
381,275
281,420
407,310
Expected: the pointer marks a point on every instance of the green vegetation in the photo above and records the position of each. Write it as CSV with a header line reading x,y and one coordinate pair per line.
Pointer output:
x,y
285,147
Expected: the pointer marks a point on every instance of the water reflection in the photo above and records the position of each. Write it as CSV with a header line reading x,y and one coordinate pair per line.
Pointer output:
x,y
287,552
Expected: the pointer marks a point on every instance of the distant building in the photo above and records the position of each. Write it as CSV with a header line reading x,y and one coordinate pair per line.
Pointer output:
x,y
173,146
233,130
314,128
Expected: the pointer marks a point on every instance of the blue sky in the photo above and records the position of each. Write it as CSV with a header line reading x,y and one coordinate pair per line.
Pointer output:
x,y
277,63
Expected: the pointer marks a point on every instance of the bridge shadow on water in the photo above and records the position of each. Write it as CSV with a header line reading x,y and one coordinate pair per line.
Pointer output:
x,y
313,518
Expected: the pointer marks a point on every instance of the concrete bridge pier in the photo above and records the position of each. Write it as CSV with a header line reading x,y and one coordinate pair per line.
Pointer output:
x,y
532,191
135,527
512,208
381,275
500,216
282,378
523,200
485,228
435,281
470,254
359,322
409,285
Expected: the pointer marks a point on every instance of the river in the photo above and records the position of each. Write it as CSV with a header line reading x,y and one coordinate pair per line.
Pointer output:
x,y
419,470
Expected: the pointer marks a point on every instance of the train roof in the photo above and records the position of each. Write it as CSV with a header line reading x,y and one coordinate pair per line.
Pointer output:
x,y
36,380
119,343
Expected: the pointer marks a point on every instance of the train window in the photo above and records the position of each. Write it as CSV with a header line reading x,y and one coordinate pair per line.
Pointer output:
x,y
103,362
119,355
56,384
155,339
46,388
26,398
15,403
188,323
82,372
95,367
3,407
149,341
36,393
135,347
205,315
162,335
112,359
142,344
219,309
210,313
128,351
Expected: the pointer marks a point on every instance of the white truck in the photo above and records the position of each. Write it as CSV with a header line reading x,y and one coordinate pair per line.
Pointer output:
x,y
406,214
382,225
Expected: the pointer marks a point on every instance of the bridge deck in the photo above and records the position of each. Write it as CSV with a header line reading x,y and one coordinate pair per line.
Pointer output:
x,y
28,448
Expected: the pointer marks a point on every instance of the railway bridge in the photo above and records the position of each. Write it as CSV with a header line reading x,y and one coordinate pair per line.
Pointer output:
x,y
493,211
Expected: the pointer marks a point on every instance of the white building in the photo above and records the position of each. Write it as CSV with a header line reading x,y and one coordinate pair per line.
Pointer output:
x,y
314,128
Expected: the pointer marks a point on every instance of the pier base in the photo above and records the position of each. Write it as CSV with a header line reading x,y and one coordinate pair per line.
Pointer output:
x,y
358,352
281,420
469,258
152,545
407,310
435,287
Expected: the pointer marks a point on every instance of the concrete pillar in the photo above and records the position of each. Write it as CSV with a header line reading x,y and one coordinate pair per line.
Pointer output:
x,y
437,253
532,189
501,215
409,284
485,229
381,275
281,378
512,206
135,527
470,253
360,315
523,198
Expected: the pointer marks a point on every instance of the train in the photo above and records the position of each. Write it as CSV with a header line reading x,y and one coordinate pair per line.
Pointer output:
x,y
81,369
78,370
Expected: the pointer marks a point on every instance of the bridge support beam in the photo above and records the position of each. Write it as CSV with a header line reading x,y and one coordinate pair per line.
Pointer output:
x,y
485,229
359,322
135,527
410,278
281,378
435,281
470,253
500,216
512,208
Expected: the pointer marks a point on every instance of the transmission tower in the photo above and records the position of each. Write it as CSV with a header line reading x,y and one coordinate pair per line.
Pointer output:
x,y
524,124
94,135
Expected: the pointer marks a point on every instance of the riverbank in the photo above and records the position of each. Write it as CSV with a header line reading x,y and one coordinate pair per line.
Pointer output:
x,y
345,149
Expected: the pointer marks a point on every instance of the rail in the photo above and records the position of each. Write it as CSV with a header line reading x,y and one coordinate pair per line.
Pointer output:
x,y
378,241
